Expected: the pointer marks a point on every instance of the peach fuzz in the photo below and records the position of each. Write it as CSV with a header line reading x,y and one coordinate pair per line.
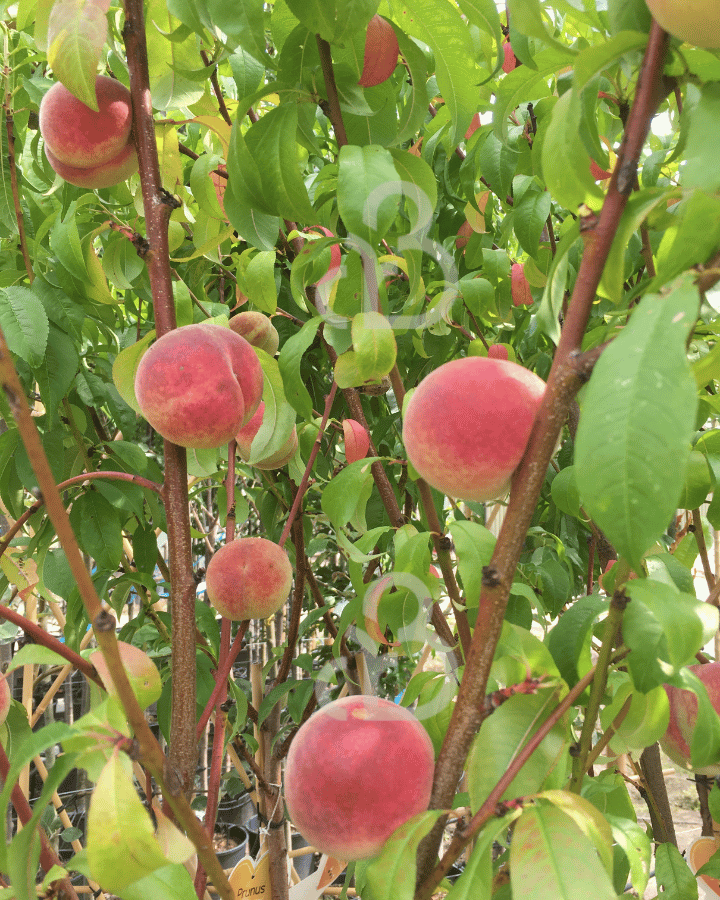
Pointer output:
x,y
249,578
198,385
118,169
246,436
683,715
357,770
5,698
79,136
466,426
381,52
141,671
257,329
696,22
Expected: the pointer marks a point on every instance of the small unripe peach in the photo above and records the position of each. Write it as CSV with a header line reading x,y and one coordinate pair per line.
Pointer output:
x,y
357,770
246,435
79,136
198,385
521,295
249,578
696,22
683,716
466,426
497,351
141,671
257,329
5,698
381,52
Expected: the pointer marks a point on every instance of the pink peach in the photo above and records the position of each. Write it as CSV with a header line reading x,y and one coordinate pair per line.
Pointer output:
x,y
248,578
246,435
257,329
683,716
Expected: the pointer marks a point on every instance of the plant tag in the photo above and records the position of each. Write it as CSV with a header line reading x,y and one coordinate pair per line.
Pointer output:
x,y
311,887
251,878
699,852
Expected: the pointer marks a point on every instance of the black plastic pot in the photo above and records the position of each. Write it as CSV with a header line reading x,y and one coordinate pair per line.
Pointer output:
x,y
231,857
236,810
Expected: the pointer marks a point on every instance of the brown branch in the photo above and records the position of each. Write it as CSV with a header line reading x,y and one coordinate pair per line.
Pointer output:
x,y
334,112
12,166
216,88
297,603
697,529
566,378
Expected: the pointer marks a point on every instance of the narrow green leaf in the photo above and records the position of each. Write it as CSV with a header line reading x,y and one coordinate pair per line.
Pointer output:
x,y
24,323
374,344
569,640
673,874
345,496
97,527
526,17
77,31
474,546
290,360
391,876
334,20
260,281
635,844
367,191
637,421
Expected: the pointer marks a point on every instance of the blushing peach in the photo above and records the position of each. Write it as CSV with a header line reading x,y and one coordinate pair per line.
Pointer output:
x,y
381,52
357,770
118,169
249,578
246,436
257,329
466,426
198,385
79,136
141,671
683,716
696,22
520,287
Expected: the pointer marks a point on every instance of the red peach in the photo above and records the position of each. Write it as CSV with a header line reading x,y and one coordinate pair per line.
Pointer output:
x,y
521,295
257,329
246,435
198,385
467,424
249,578
381,52
357,770
497,351
118,169
79,136
335,254
683,715
141,671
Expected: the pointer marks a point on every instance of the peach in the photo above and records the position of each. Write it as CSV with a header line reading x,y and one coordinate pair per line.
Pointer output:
x,y
257,329
381,52
246,435
696,22
475,123
249,578
118,169
335,254
5,698
683,715
466,426
497,351
509,59
198,385
520,287
79,136
357,770
141,671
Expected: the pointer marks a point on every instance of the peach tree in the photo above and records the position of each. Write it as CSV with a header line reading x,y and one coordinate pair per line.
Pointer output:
x,y
213,318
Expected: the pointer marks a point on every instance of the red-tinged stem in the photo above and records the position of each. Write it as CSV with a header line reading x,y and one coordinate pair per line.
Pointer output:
x,y
221,677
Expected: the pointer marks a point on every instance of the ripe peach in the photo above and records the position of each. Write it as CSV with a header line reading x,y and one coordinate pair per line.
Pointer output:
x,y
249,578
5,698
141,671
520,287
683,715
257,329
118,169
198,385
77,135
497,351
381,52
246,435
509,59
467,424
357,770
694,21
335,254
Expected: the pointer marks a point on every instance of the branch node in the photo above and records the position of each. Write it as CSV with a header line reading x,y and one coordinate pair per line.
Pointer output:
x,y
490,577
104,622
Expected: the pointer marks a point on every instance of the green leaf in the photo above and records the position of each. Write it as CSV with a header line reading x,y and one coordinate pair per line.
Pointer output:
x,y
125,367
526,17
391,876
474,546
374,345
97,527
334,20
530,219
345,496
638,418
241,20
121,846
168,881
564,492
77,31
673,875
588,819
278,417
24,323
551,859
701,168
259,281
635,844
57,371
367,191
290,361
475,882
554,293
569,640
497,164
690,240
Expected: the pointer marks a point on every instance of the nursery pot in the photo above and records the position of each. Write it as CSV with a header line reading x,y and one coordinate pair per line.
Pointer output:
x,y
231,857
